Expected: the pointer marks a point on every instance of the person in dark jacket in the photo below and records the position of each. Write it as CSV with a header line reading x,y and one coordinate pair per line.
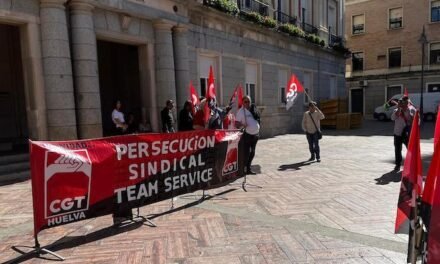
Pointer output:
x,y
167,117
186,117
217,115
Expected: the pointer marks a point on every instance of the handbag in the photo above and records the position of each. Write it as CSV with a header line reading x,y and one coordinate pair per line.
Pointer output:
x,y
317,130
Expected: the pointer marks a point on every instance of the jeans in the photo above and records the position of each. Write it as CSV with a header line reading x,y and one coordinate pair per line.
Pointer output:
x,y
250,143
398,140
313,144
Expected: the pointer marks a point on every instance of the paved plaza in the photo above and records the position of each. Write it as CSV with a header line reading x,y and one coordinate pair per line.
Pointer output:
x,y
341,210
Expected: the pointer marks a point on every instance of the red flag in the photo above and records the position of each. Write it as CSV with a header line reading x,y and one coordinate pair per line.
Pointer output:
x,y
236,100
293,88
210,93
411,186
431,208
437,128
405,93
193,97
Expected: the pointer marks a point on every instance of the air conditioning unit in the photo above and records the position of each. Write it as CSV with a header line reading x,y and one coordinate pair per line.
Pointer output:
x,y
363,83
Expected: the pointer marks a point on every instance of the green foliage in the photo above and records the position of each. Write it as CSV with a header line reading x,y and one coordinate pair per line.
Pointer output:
x,y
269,22
292,30
227,6
315,39
254,17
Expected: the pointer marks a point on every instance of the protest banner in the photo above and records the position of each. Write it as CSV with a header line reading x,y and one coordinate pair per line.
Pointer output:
x,y
77,180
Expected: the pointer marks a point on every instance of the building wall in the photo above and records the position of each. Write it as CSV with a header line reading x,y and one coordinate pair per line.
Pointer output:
x,y
62,78
376,41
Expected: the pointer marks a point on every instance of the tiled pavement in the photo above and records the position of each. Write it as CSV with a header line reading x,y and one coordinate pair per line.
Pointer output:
x,y
338,211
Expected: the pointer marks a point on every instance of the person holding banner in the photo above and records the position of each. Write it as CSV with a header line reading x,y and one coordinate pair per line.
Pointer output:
x,y
402,117
217,115
167,117
186,117
247,118
311,125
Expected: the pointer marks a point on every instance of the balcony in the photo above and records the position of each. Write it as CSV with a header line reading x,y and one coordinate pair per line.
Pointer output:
x,y
309,28
249,6
284,18
334,40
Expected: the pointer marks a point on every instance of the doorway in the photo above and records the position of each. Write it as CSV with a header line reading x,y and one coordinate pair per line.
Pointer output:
x,y
357,100
14,132
118,80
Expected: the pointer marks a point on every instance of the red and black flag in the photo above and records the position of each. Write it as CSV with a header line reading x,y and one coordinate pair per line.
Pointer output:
x,y
411,186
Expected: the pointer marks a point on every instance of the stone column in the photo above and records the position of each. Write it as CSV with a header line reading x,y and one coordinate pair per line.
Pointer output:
x,y
181,64
34,82
85,69
165,75
60,102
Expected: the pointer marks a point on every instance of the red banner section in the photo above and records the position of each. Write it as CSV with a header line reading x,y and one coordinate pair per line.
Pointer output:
x,y
76,180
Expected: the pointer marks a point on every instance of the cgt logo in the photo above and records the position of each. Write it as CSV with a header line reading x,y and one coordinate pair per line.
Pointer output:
x,y
67,175
231,161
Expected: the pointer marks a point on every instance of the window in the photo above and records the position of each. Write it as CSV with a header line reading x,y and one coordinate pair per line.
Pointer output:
x,y
357,59
205,63
358,24
434,53
433,87
435,11
251,81
395,15
393,90
394,57
282,82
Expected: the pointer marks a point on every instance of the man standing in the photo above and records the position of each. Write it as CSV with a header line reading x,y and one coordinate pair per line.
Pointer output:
x,y
311,125
402,117
167,117
247,119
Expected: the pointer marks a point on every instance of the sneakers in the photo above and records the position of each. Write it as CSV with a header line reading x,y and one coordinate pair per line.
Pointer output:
x,y
397,168
312,158
318,160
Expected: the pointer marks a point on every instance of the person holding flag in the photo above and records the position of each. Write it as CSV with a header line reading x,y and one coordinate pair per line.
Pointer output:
x,y
311,125
402,117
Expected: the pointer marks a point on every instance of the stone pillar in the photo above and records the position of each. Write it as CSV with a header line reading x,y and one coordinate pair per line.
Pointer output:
x,y
181,64
34,82
85,69
57,66
165,75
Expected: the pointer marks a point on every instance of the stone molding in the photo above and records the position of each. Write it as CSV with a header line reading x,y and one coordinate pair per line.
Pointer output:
x,y
81,6
162,25
180,28
53,4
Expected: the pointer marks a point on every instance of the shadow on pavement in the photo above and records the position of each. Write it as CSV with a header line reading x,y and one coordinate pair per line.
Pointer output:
x,y
74,241
392,176
294,166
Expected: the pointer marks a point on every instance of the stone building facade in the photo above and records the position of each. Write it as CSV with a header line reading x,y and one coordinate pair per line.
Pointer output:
x,y
384,38
72,59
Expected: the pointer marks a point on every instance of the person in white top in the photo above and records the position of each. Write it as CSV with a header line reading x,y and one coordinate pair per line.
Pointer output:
x,y
249,119
402,117
118,119
311,125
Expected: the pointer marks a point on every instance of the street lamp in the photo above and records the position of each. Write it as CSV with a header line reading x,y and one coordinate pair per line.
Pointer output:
x,y
423,40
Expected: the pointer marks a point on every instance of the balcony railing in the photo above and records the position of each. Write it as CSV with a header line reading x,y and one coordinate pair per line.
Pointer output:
x,y
309,28
248,6
285,18
334,40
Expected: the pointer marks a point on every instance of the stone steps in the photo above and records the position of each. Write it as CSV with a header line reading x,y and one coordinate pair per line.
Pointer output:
x,y
14,168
